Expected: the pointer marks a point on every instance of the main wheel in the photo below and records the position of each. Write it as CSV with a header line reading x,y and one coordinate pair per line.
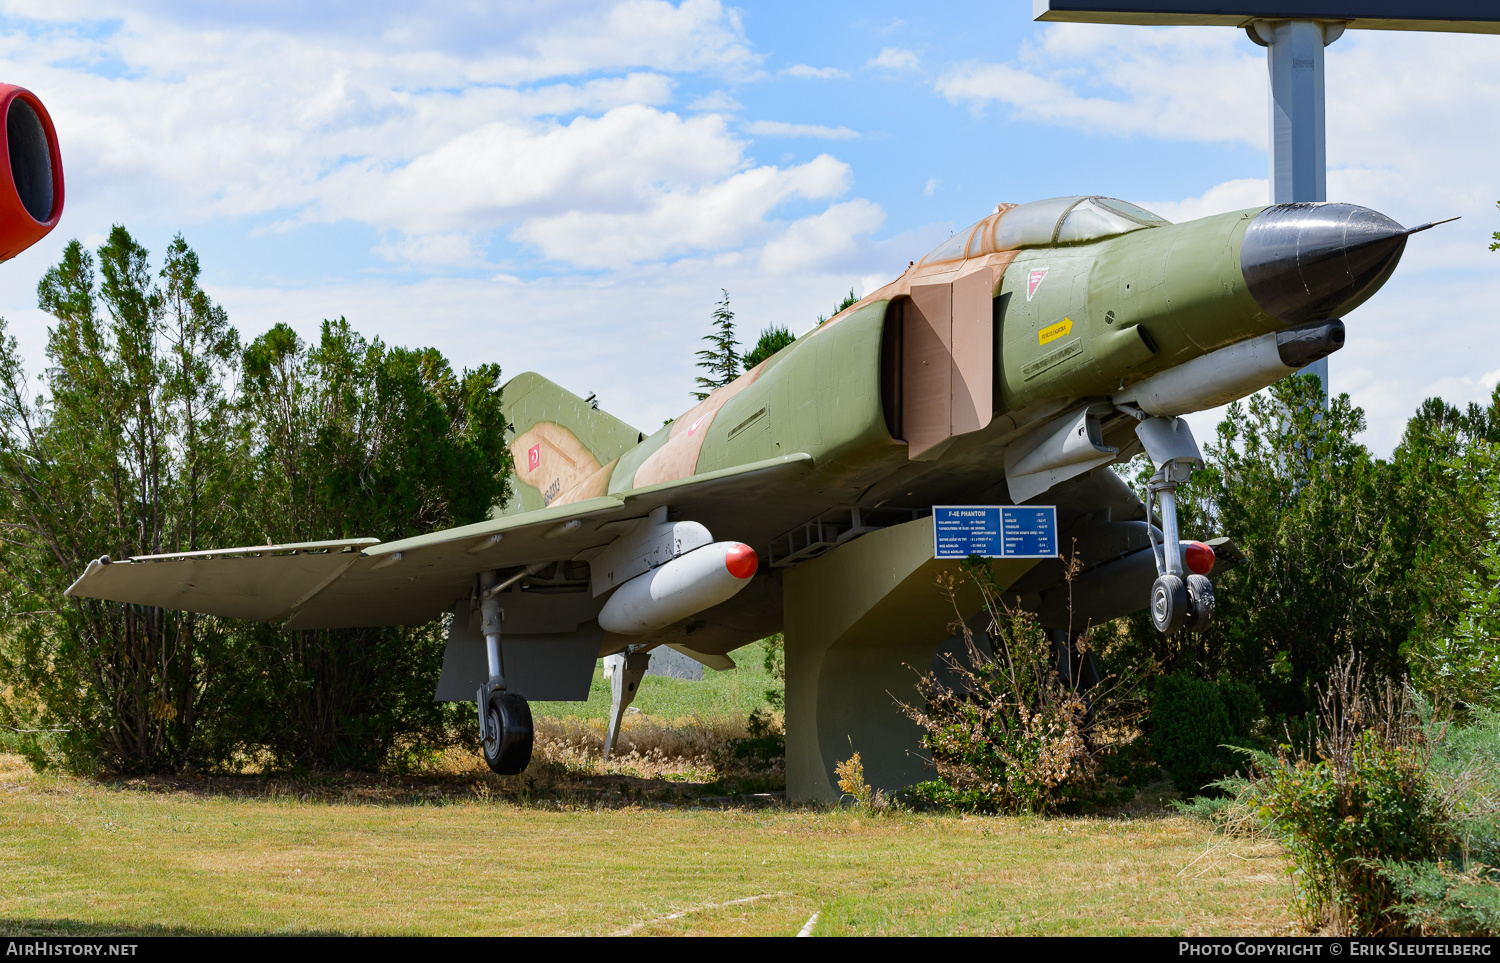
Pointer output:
x,y
1200,602
507,733
1169,604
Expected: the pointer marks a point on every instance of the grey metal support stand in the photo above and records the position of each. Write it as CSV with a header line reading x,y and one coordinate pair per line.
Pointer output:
x,y
1299,164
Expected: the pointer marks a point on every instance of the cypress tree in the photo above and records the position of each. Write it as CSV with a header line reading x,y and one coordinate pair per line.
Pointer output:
x,y
721,360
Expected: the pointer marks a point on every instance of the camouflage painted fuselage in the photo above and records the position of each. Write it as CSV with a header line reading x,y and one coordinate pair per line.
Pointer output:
x,y
931,358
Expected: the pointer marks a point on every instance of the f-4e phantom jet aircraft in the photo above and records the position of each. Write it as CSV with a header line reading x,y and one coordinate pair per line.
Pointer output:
x,y
1015,363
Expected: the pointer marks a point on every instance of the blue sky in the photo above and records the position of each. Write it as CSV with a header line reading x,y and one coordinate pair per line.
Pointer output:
x,y
565,187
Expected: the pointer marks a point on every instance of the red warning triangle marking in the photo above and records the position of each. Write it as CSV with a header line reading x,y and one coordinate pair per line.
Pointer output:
x,y
1034,281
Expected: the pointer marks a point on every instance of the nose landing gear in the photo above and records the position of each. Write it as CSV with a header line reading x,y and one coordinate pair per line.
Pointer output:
x,y
1179,600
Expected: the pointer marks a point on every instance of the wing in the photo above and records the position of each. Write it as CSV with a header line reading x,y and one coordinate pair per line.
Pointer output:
x,y
362,582
261,582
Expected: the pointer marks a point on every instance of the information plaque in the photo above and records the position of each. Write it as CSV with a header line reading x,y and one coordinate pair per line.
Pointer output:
x,y
994,531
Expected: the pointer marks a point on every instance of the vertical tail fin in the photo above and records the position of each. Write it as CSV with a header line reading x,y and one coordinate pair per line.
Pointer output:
x,y
562,445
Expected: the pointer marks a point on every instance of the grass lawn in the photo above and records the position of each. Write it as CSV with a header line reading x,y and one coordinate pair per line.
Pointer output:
x,y
581,845
734,693
457,854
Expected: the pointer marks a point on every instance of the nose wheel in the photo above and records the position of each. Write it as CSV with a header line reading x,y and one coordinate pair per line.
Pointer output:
x,y
1200,593
1177,604
1169,604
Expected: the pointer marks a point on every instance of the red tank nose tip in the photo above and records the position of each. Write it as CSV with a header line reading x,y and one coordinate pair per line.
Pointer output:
x,y
741,561
1199,558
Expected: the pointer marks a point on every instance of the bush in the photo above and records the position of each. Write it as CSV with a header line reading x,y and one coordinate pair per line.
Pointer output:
x,y
1389,831
1012,736
1439,901
1342,822
1196,725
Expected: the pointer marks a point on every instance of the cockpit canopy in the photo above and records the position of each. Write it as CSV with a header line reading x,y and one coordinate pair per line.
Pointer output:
x,y
1061,220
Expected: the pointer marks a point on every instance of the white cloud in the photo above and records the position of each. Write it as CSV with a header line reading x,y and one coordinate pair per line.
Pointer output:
x,y
432,250
805,72
833,239
488,43
894,59
1183,83
776,128
931,188
1403,109
1229,196
715,217
718,100
434,143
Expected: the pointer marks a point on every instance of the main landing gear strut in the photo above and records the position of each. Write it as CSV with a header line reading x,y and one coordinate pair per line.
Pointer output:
x,y
1179,600
504,717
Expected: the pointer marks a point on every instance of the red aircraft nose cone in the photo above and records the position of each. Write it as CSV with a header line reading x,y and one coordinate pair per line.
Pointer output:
x,y
741,561
1199,558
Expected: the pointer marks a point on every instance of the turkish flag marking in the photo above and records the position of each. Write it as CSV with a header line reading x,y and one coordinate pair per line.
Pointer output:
x,y
534,457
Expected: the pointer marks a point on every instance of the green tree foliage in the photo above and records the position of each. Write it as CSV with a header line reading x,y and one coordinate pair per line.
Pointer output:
x,y
1432,502
1463,665
772,340
356,438
1195,722
158,433
1287,480
124,457
722,359
1346,551
844,302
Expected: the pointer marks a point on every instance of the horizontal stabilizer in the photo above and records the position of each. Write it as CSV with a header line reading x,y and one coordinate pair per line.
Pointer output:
x,y
722,663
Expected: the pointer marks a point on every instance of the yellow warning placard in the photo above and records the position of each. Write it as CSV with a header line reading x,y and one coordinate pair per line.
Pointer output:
x,y
1054,331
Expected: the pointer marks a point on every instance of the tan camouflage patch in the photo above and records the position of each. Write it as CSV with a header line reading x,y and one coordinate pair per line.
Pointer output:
x,y
678,458
591,487
551,459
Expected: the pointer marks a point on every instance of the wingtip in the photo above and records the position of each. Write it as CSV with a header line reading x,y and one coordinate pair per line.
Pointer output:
x,y
90,569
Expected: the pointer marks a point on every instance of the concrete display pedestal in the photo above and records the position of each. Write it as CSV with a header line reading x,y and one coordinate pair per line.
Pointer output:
x,y
858,621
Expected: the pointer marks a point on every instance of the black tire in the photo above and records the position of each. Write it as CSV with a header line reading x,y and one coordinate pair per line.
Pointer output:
x,y
506,741
1200,602
1169,604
